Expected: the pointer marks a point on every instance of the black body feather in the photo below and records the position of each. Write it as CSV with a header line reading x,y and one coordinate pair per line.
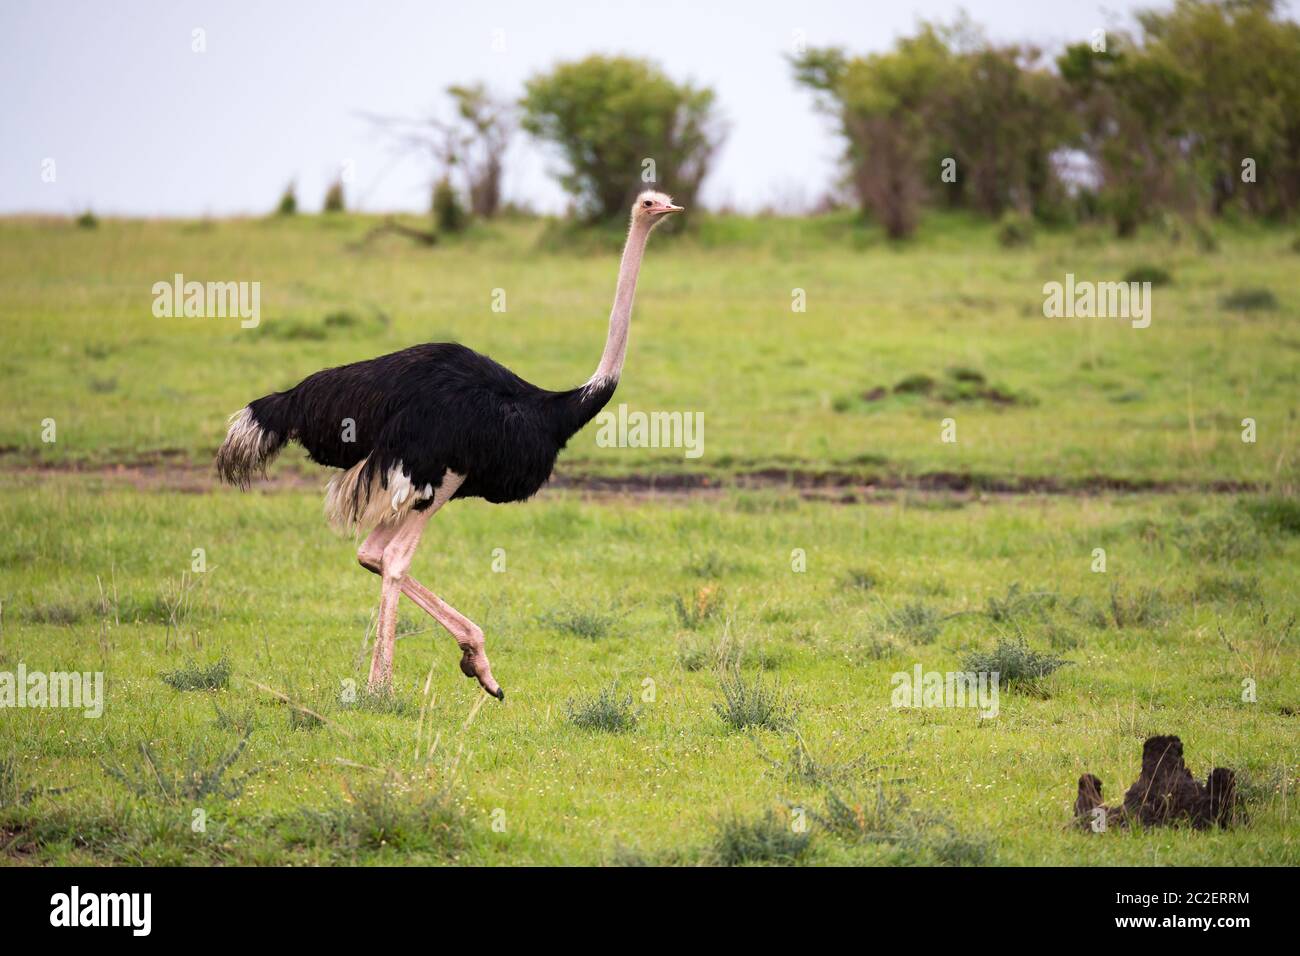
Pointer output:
x,y
432,408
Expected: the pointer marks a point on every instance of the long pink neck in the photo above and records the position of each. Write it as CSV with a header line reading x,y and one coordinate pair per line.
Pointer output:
x,y
611,360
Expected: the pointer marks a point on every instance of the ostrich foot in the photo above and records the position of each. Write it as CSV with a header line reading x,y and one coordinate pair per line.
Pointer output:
x,y
468,635
474,663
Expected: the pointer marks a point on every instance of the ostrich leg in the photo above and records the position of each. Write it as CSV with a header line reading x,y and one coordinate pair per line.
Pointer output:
x,y
388,552
398,546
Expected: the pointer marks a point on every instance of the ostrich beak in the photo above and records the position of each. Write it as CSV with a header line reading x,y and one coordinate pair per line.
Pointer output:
x,y
670,208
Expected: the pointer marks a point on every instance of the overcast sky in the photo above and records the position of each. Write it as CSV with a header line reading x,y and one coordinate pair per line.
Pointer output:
x,y
138,123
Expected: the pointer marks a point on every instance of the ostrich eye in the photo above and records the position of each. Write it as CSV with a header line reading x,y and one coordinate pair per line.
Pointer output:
x,y
646,203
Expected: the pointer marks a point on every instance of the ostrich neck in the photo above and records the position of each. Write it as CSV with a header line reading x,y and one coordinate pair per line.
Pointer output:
x,y
611,360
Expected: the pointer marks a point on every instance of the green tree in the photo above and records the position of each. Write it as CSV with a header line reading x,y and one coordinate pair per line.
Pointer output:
x,y
887,106
1131,110
1002,116
608,116
1241,63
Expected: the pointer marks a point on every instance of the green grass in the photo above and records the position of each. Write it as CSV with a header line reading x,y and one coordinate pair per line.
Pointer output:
x,y
690,680
1063,399
453,777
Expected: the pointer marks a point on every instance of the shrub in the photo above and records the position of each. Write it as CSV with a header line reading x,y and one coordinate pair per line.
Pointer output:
x,y
334,197
448,213
288,204
1015,229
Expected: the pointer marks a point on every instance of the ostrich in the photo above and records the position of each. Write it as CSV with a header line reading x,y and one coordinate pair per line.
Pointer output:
x,y
431,423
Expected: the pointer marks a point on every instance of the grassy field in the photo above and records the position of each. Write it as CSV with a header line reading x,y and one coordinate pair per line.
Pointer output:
x,y
714,332
1194,601
690,675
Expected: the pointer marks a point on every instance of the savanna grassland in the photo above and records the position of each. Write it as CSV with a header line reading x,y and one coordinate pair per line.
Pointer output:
x,y
687,672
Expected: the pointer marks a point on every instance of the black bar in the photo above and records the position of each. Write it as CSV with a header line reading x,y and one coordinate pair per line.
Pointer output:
x,y
341,904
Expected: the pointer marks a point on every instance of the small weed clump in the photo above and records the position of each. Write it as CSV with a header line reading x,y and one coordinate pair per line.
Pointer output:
x,y
750,703
708,565
1145,607
1017,602
193,780
1015,661
383,702
1274,515
607,711
804,767
694,611
1015,229
57,612
588,625
765,839
884,816
195,676
916,620
12,791
859,579
1227,588
1249,300
695,654
1149,273
1227,536
405,813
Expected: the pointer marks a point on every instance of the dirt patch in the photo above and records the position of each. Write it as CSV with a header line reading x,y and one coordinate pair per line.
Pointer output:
x,y
165,473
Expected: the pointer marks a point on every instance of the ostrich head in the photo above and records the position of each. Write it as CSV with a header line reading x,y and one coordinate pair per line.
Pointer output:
x,y
652,207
